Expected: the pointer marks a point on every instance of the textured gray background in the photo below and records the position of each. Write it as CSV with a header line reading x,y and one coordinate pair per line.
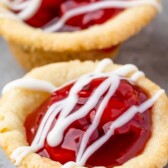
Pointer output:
x,y
148,50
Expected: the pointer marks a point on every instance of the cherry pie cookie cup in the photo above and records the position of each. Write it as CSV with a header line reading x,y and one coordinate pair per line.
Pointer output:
x,y
82,29
123,123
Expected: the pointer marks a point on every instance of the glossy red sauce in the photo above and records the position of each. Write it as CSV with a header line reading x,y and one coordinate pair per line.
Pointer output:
x,y
54,9
127,142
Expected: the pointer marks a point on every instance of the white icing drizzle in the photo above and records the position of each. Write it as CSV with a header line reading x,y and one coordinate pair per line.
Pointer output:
x,y
4,12
29,8
119,122
137,75
30,84
64,108
103,64
96,6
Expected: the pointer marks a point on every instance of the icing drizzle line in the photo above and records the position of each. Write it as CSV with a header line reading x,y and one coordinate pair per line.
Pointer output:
x,y
29,9
64,107
31,84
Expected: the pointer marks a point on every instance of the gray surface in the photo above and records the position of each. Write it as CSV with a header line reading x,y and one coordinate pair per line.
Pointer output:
x,y
148,50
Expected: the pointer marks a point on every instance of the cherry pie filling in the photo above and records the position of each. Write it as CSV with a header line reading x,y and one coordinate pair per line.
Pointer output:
x,y
50,11
127,142
53,10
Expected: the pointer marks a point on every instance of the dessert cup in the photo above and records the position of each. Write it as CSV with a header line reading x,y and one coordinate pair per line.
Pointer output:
x,y
28,93
35,47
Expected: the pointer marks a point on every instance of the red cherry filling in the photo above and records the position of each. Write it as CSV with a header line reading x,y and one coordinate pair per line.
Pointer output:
x,y
55,9
127,142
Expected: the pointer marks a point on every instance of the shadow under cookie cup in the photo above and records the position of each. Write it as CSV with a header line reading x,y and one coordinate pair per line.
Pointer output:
x,y
24,102
33,47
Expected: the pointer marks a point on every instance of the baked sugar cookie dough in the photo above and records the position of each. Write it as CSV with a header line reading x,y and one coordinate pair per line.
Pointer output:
x,y
21,97
34,46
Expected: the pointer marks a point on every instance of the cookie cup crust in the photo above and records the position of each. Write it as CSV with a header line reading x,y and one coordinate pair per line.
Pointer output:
x,y
111,33
34,58
17,104
34,47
